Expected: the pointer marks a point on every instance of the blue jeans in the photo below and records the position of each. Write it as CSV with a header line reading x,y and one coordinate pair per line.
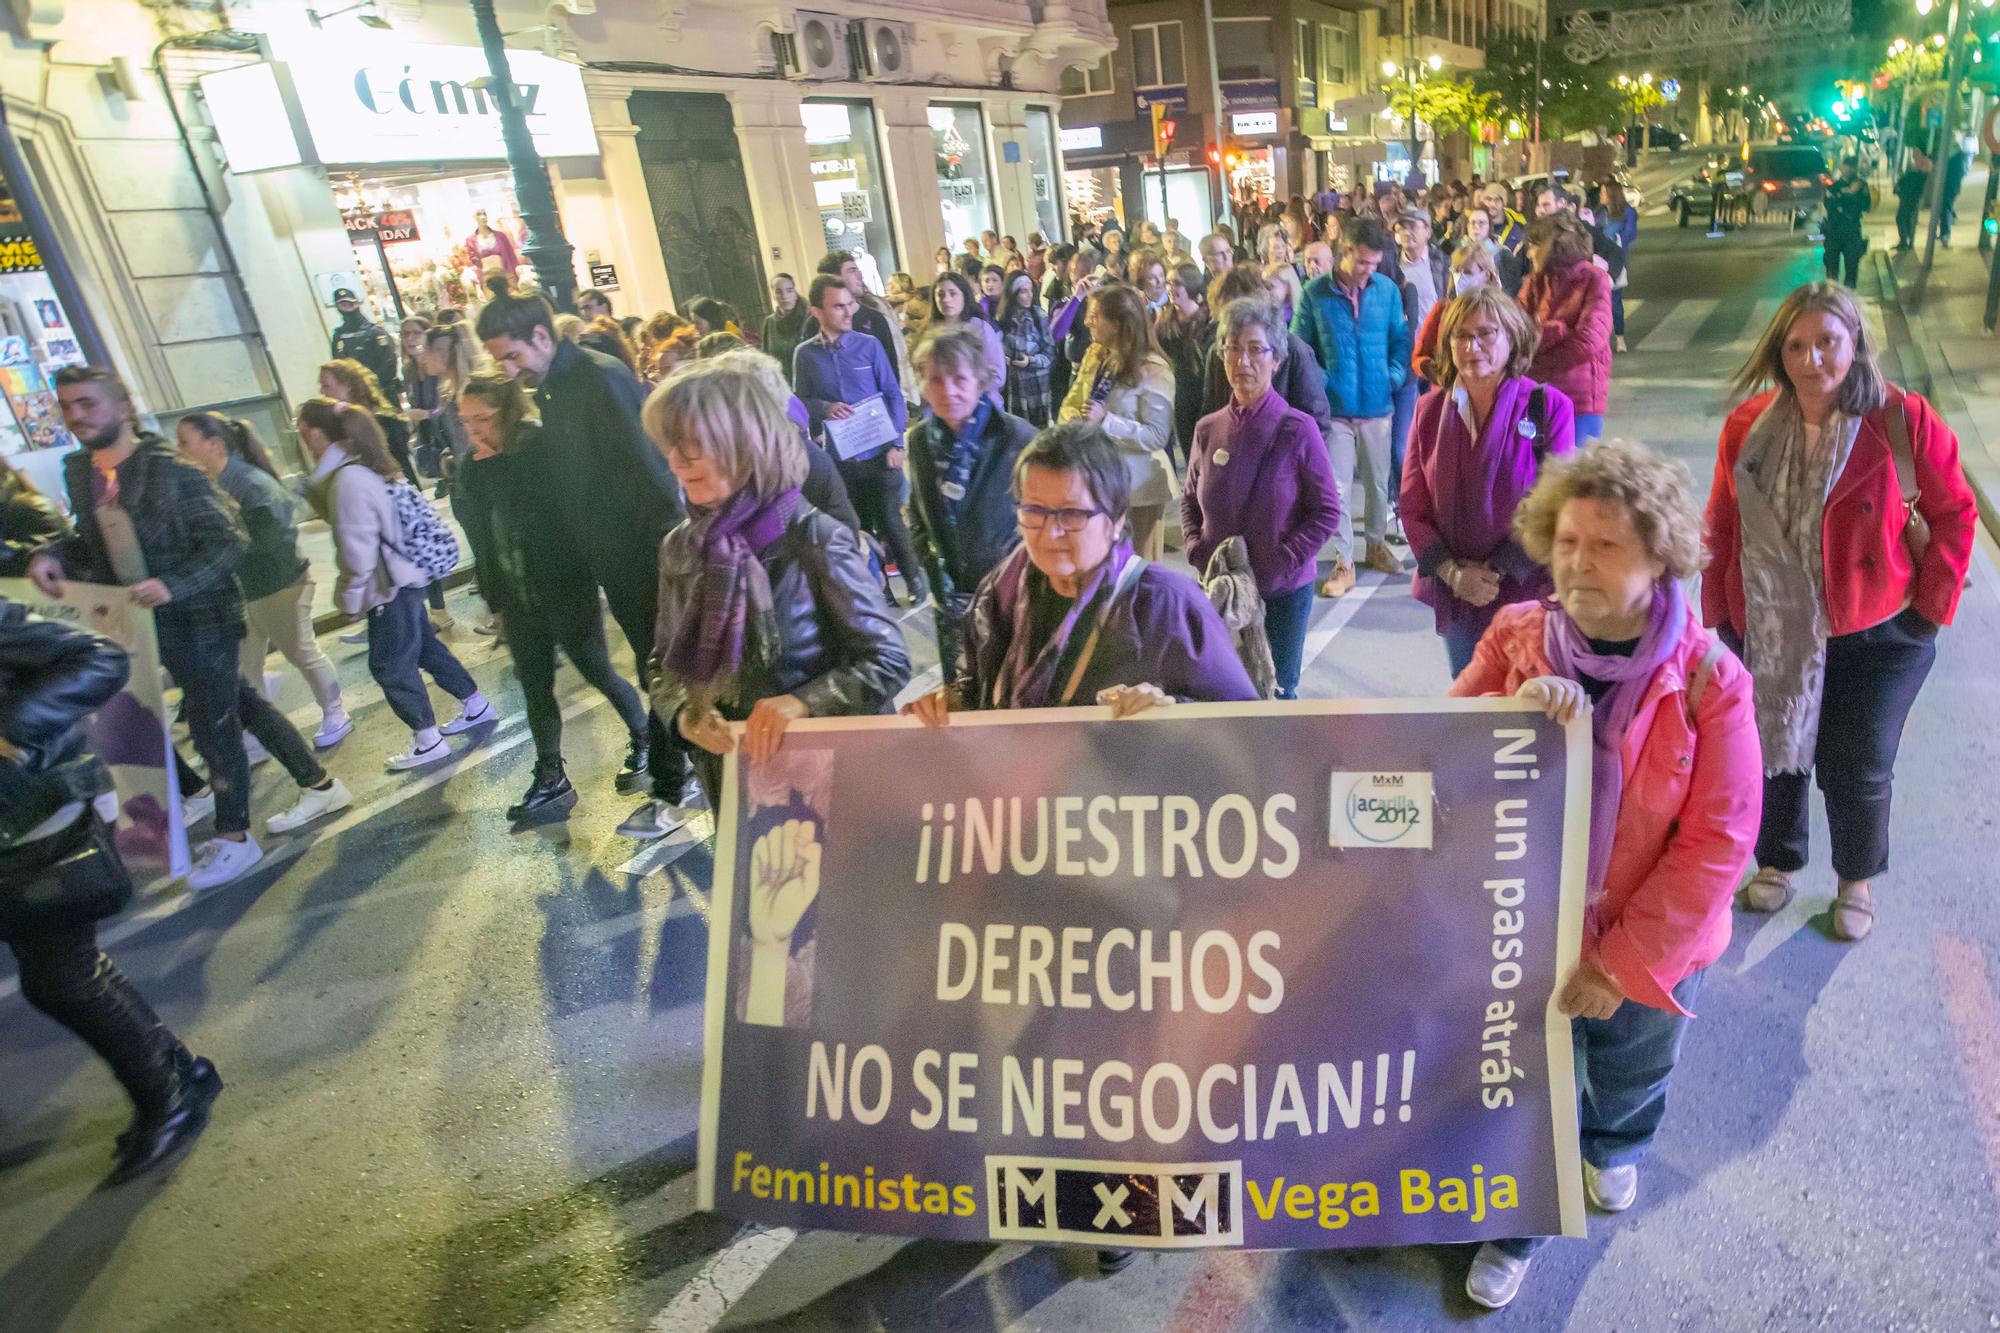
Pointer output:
x,y
1459,643
1623,1066
1399,433
401,644
1589,426
1286,615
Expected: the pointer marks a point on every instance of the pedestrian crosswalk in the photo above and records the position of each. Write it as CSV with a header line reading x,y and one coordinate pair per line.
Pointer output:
x,y
1729,324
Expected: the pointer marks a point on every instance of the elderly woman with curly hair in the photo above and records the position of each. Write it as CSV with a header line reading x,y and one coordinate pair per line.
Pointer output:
x,y
1674,791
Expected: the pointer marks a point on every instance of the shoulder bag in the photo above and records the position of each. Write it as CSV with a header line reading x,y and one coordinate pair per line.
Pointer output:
x,y
1916,528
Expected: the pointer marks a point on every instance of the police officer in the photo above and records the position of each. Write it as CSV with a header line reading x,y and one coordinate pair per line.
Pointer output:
x,y
359,338
1846,200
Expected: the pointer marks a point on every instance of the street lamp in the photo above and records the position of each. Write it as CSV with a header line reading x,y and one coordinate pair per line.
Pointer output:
x,y
547,249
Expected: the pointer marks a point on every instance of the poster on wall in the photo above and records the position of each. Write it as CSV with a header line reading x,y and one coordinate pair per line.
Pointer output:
x,y
132,732
36,341
1293,988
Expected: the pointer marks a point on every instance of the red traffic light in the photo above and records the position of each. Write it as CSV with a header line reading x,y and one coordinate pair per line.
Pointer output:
x,y
1167,130
1214,157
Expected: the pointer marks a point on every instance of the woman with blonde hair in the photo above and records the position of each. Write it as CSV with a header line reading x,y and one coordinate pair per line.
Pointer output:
x,y
352,485
1473,265
1673,794
1842,527
1126,386
1477,445
348,381
768,609
1282,281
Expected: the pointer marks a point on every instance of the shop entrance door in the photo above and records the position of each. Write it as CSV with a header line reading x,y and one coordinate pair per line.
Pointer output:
x,y
694,180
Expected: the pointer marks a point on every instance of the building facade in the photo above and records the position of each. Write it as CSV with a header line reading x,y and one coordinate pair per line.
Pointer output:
x,y
199,176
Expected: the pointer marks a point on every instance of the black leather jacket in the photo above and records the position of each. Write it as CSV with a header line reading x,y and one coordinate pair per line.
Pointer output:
x,y
841,652
28,522
51,676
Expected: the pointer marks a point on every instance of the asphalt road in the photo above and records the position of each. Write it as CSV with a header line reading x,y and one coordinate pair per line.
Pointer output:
x,y
463,1061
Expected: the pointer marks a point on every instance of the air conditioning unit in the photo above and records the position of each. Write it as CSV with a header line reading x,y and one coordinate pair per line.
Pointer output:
x,y
889,50
823,43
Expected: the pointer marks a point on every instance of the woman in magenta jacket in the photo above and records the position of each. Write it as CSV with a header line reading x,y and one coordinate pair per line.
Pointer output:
x,y
1570,297
1674,795
1840,643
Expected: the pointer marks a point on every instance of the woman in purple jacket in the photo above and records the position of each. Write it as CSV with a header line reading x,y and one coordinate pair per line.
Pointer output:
x,y
1258,470
1476,446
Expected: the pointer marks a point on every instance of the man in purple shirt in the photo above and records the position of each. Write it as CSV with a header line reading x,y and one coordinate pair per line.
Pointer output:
x,y
835,373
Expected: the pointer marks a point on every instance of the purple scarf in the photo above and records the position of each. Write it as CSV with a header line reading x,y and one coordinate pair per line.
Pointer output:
x,y
1570,654
731,589
1020,682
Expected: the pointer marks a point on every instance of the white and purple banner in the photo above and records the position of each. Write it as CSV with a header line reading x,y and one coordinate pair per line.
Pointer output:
x,y
1222,975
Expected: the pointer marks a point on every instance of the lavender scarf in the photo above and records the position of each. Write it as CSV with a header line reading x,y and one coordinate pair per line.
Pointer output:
x,y
1570,654
731,591
1022,682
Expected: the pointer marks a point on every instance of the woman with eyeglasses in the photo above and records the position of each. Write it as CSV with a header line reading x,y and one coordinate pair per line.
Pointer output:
x,y
1259,470
1073,616
1477,445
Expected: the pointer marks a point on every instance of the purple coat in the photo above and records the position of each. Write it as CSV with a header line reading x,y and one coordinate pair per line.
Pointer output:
x,y
1459,495
1261,475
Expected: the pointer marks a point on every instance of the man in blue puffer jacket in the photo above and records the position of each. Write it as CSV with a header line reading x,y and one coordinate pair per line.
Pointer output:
x,y
1353,320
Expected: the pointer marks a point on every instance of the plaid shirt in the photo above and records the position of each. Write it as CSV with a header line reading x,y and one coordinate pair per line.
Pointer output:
x,y
187,529
1026,337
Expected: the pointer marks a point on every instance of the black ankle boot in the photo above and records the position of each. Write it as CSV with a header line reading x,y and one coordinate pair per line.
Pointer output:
x,y
637,757
162,1130
550,787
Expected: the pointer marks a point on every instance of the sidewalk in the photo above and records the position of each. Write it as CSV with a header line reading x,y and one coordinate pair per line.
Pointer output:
x,y
1935,344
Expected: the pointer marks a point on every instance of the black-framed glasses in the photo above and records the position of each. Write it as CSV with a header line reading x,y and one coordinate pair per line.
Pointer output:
x,y
1033,518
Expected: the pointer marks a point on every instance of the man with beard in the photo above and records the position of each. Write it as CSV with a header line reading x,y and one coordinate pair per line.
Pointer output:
x,y
618,499
154,523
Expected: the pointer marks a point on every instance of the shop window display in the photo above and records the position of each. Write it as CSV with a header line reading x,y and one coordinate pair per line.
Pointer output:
x,y
36,340
424,245
847,183
958,141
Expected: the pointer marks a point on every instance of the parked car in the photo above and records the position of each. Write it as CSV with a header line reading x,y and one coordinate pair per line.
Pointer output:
x,y
1696,197
1662,137
1788,179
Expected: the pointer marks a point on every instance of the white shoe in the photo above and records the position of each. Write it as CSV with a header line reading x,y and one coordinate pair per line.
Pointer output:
x,y
222,860
478,711
355,635
254,751
311,805
1495,1277
194,809
1611,1188
333,729
272,682
417,756
654,819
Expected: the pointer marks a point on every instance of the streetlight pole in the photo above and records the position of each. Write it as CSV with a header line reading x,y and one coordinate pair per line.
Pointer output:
x,y
1955,70
547,248
1215,111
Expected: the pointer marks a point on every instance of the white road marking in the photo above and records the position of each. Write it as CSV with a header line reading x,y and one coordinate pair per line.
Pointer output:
x,y
1753,328
661,854
1343,611
1779,927
729,1272
1677,330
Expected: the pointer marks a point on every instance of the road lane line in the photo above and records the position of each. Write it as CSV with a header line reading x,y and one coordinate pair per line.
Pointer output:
x,y
1343,611
1761,315
1677,330
1975,1024
729,1273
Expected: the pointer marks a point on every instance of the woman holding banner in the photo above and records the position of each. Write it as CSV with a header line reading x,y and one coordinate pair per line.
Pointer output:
x,y
768,610
1675,794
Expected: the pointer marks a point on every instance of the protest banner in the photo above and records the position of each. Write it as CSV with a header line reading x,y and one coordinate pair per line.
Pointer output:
x,y
1222,975
132,732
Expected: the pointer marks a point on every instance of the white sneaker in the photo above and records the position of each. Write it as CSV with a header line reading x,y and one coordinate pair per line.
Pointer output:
x,y
1611,1188
254,751
359,635
1495,1277
654,819
478,711
272,682
194,809
419,755
311,805
333,729
222,860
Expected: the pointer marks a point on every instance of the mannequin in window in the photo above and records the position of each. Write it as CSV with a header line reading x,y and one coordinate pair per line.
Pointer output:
x,y
488,241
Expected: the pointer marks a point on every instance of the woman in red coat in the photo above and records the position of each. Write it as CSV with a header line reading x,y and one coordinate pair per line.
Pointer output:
x,y
1817,582
1570,297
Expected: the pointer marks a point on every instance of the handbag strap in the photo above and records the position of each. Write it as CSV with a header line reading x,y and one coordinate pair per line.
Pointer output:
x,y
1895,415
1126,578
1702,675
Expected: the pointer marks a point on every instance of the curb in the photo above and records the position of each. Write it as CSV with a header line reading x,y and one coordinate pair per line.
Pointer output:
x,y
1915,353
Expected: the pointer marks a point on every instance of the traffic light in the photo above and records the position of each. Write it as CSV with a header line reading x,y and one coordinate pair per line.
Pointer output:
x,y
1163,130
1214,156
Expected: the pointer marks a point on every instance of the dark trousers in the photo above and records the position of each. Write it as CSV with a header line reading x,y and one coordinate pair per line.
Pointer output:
x,y
220,707
1843,251
402,645
1286,615
1618,312
951,612
66,976
877,492
533,637
1405,412
1872,678
1461,640
1623,1066
635,605
1906,222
